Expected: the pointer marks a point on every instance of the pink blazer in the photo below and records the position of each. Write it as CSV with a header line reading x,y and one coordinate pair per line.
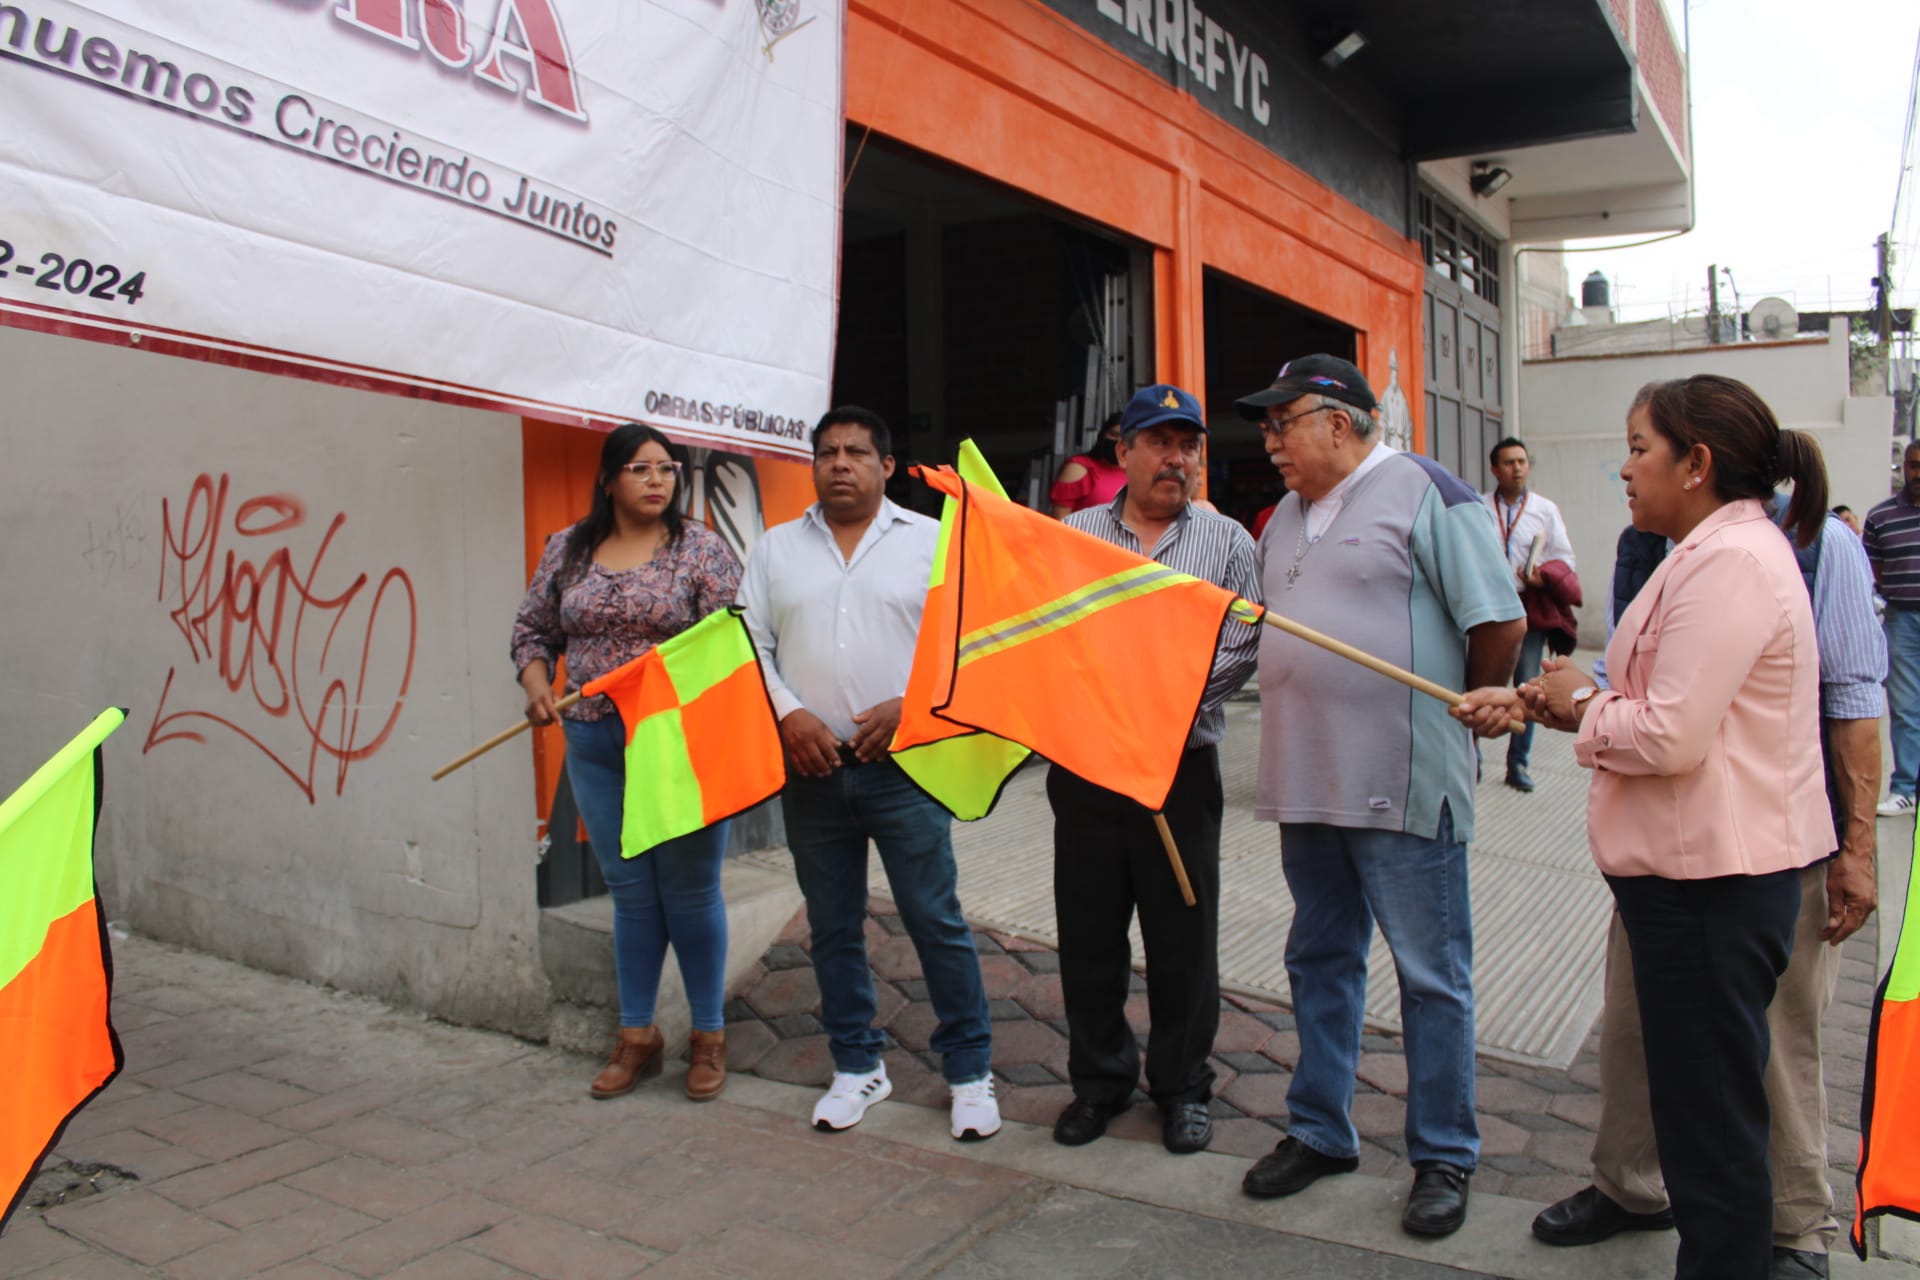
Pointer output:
x,y
1706,753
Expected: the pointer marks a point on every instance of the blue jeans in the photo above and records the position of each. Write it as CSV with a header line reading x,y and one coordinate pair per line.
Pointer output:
x,y
1520,745
1903,697
829,821
1342,880
669,894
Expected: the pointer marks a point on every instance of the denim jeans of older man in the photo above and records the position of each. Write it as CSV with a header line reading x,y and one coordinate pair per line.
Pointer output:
x,y
1344,880
829,822
1903,697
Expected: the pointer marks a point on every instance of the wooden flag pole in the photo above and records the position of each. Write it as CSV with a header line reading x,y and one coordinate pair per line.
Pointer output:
x,y
1173,856
1372,663
497,739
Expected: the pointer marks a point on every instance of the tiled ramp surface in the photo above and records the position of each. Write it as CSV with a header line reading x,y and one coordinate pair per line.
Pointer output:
x,y
1539,907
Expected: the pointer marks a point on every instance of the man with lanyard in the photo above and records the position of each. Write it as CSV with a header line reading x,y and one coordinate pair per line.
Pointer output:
x,y
1836,896
833,600
1108,862
1522,516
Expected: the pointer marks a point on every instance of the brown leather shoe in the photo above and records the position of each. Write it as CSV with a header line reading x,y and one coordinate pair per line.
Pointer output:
x,y
707,1074
636,1053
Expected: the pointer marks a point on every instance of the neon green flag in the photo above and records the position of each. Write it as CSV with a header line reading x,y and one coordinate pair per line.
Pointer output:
x,y
963,769
55,969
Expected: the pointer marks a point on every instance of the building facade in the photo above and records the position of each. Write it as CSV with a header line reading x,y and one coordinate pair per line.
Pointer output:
x,y
1046,204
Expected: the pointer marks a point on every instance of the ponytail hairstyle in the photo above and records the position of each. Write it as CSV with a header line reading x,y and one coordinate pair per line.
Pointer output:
x,y
597,525
1752,454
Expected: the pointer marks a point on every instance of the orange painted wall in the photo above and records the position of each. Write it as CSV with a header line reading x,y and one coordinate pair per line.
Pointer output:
x,y
1015,92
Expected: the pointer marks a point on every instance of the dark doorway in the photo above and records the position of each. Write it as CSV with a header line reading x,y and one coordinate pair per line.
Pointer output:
x,y
1250,333
969,310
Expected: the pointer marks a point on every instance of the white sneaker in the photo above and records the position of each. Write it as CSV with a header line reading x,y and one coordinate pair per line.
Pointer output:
x,y
1896,807
975,1113
847,1101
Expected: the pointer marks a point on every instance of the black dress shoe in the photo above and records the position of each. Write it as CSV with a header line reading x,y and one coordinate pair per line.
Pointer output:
x,y
1797,1264
1292,1166
1588,1217
1437,1205
1083,1121
1186,1127
1518,778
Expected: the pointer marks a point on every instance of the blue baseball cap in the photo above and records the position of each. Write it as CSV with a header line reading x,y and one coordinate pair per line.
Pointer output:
x,y
1160,403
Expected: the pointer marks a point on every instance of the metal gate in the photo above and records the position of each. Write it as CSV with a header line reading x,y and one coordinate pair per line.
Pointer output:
x,y
1464,414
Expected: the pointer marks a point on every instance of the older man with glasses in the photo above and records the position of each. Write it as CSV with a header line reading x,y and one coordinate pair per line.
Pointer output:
x,y
1373,786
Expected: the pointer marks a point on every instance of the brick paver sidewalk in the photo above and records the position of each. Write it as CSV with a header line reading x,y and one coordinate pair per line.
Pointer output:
x,y
266,1128
1536,1124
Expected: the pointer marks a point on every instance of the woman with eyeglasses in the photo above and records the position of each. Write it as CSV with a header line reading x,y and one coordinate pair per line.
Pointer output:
x,y
629,575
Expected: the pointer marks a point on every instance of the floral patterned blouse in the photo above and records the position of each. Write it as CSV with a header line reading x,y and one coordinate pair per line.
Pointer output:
x,y
604,618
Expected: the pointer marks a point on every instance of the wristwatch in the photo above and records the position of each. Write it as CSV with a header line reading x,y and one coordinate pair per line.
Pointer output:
x,y
1580,696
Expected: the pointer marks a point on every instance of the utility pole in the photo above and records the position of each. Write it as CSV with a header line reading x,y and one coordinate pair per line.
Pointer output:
x,y
1713,304
1883,283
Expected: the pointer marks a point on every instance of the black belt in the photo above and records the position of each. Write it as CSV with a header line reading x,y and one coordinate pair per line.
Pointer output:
x,y
849,758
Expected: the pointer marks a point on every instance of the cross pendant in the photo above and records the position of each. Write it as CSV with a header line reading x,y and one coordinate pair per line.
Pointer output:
x,y
1293,575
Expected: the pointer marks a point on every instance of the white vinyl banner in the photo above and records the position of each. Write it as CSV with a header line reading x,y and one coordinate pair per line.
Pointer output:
x,y
583,210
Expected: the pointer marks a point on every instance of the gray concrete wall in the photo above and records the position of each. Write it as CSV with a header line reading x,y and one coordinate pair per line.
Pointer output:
x,y
268,798
1573,413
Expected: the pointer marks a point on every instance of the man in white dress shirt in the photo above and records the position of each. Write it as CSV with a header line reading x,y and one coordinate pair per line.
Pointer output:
x,y
1520,515
833,600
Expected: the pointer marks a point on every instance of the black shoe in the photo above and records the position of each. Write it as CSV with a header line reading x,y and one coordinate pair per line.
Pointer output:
x,y
1292,1166
1083,1121
1186,1127
1518,778
1588,1217
1437,1205
1797,1264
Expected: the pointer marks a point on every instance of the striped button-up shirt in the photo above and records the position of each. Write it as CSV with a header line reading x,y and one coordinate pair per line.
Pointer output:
x,y
1206,545
1892,535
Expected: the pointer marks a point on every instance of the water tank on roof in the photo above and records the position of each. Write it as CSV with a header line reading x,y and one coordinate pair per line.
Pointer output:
x,y
1594,291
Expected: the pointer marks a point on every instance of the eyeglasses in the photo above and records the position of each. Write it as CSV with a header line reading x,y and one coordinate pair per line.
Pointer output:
x,y
648,470
1280,428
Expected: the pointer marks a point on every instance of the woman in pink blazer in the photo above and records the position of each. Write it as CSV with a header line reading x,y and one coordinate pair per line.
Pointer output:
x,y
1708,791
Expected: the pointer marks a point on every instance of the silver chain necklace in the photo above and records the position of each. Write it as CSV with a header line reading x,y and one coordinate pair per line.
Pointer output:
x,y
1301,546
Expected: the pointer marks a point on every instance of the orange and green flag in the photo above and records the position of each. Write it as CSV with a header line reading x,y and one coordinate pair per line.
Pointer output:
x,y
963,769
1088,654
702,741
57,1044
1888,1181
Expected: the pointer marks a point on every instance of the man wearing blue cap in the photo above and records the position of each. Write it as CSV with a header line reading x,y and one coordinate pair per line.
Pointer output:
x,y
1108,861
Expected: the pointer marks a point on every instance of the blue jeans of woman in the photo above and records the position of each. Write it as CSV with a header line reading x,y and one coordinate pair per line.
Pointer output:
x,y
1343,880
668,895
829,821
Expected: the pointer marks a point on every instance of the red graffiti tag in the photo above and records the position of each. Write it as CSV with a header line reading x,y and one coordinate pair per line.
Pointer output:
x,y
250,619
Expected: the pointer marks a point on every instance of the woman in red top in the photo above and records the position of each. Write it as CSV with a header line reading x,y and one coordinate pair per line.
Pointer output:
x,y
1090,479
631,574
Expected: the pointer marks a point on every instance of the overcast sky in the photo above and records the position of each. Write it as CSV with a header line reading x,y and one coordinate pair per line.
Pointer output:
x,y
1797,126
